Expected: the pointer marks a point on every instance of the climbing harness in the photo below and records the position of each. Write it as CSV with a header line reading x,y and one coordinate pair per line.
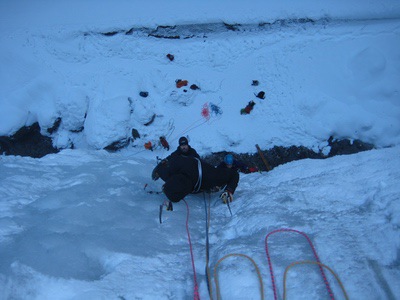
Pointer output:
x,y
312,263
200,177
313,250
240,255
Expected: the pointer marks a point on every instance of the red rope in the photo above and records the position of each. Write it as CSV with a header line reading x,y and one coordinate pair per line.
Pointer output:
x,y
315,255
196,295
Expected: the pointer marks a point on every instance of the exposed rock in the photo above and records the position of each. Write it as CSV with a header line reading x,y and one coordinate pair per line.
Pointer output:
x,y
232,27
280,155
28,141
111,33
55,126
117,145
80,129
347,147
187,31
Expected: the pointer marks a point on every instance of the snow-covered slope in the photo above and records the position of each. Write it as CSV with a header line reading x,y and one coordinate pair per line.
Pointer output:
x,y
79,225
333,77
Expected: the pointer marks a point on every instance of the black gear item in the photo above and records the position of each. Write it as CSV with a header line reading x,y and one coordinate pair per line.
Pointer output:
x,y
261,95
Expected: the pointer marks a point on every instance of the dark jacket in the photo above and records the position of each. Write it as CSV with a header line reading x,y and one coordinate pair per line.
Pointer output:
x,y
191,152
181,176
237,166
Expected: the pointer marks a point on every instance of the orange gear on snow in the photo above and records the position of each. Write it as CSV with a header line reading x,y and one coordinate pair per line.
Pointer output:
x,y
148,146
181,83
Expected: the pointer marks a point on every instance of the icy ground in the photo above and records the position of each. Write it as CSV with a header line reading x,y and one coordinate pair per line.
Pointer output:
x,y
79,225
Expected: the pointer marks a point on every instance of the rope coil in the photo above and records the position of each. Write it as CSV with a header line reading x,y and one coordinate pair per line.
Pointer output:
x,y
196,295
312,263
240,255
315,255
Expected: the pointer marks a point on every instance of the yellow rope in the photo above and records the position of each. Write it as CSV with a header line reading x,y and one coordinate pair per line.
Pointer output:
x,y
311,263
241,255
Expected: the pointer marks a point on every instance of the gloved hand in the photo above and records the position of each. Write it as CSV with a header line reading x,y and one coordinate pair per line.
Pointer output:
x,y
154,175
226,196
